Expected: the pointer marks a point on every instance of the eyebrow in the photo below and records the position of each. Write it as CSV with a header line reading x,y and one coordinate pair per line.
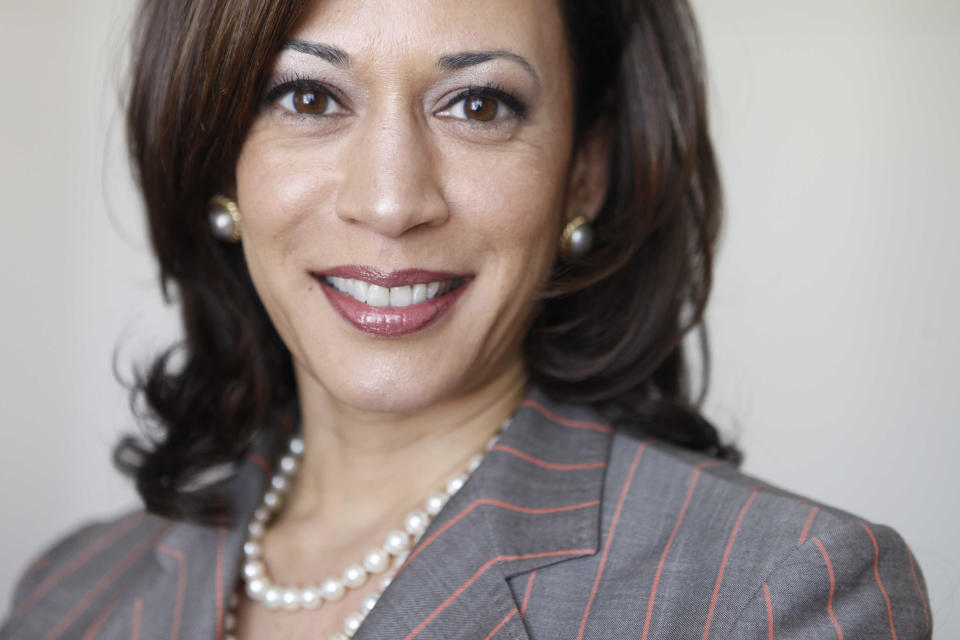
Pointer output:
x,y
449,62
456,61
334,56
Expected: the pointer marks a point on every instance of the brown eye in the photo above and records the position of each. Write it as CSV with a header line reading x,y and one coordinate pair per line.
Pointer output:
x,y
480,108
310,102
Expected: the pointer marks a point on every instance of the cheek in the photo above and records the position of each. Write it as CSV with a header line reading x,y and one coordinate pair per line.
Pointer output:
x,y
281,191
511,203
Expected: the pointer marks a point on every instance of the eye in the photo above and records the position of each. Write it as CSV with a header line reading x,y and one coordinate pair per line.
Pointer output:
x,y
484,105
309,101
478,108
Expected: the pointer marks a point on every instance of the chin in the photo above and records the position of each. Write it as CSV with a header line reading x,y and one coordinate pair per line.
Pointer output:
x,y
385,389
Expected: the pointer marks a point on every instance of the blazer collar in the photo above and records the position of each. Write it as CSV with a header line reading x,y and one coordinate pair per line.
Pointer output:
x,y
533,502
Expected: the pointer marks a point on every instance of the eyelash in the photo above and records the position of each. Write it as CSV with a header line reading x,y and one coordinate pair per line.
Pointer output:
x,y
493,91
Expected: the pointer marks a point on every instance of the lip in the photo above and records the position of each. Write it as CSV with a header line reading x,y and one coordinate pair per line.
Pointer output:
x,y
390,278
390,322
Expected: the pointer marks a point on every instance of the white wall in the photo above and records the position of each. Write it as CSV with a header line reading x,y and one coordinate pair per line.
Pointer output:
x,y
835,309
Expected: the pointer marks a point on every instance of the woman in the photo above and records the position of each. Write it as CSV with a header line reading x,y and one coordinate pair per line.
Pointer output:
x,y
403,234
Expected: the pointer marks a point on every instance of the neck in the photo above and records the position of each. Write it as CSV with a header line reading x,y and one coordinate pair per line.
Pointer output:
x,y
360,468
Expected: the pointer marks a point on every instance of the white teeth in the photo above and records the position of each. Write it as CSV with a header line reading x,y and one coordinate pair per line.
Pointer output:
x,y
419,293
400,296
359,289
377,296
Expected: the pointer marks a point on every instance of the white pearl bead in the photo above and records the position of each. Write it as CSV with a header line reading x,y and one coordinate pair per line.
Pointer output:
x,y
290,599
474,463
310,597
223,225
456,483
253,569
296,446
252,549
354,576
491,443
229,622
271,500
271,597
435,503
261,514
256,588
506,424
332,590
288,464
369,602
352,623
279,483
376,561
255,529
396,542
385,581
416,522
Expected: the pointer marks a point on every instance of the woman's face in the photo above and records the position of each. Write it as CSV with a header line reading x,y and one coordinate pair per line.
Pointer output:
x,y
403,191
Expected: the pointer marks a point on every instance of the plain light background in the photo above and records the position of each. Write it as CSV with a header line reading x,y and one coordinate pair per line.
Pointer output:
x,y
836,304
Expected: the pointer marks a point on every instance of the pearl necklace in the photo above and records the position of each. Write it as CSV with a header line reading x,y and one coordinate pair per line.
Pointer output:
x,y
383,561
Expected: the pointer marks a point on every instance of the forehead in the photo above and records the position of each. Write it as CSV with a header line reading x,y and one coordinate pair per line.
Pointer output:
x,y
411,31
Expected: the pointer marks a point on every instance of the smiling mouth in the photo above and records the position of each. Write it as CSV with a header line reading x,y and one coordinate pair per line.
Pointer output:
x,y
391,304
393,297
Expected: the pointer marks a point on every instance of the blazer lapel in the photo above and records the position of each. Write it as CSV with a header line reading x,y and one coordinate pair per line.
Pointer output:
x,y
197,567
535,501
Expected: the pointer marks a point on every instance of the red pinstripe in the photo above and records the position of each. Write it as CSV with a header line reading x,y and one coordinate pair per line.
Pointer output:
x,y
916,581
261,462
673,534
101,618
496,503
766,600
181,586
806,526
876,574
489,563
98,545
526,595
219,582
137,616
826,559
500,626
613,528
38,564
544,463
90,597
574,424
726,558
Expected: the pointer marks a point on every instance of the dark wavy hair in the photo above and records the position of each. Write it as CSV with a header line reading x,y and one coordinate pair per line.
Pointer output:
x,y
610,328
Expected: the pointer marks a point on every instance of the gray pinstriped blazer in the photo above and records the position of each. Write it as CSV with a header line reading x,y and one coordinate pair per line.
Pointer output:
x,y
567,530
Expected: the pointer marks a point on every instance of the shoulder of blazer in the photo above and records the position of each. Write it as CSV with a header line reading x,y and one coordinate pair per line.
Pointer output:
x,y
137,569
706,550
53,591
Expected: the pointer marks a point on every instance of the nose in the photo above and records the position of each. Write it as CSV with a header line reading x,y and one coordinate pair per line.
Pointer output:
x,y
390,182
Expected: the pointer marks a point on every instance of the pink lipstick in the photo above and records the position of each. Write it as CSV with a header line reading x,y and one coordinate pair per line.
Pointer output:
x,y
391,304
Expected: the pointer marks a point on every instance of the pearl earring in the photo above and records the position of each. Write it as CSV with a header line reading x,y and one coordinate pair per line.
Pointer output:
x,y
577,238
224,218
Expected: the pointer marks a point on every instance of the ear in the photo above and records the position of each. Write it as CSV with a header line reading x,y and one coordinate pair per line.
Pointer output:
x,y
590,174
